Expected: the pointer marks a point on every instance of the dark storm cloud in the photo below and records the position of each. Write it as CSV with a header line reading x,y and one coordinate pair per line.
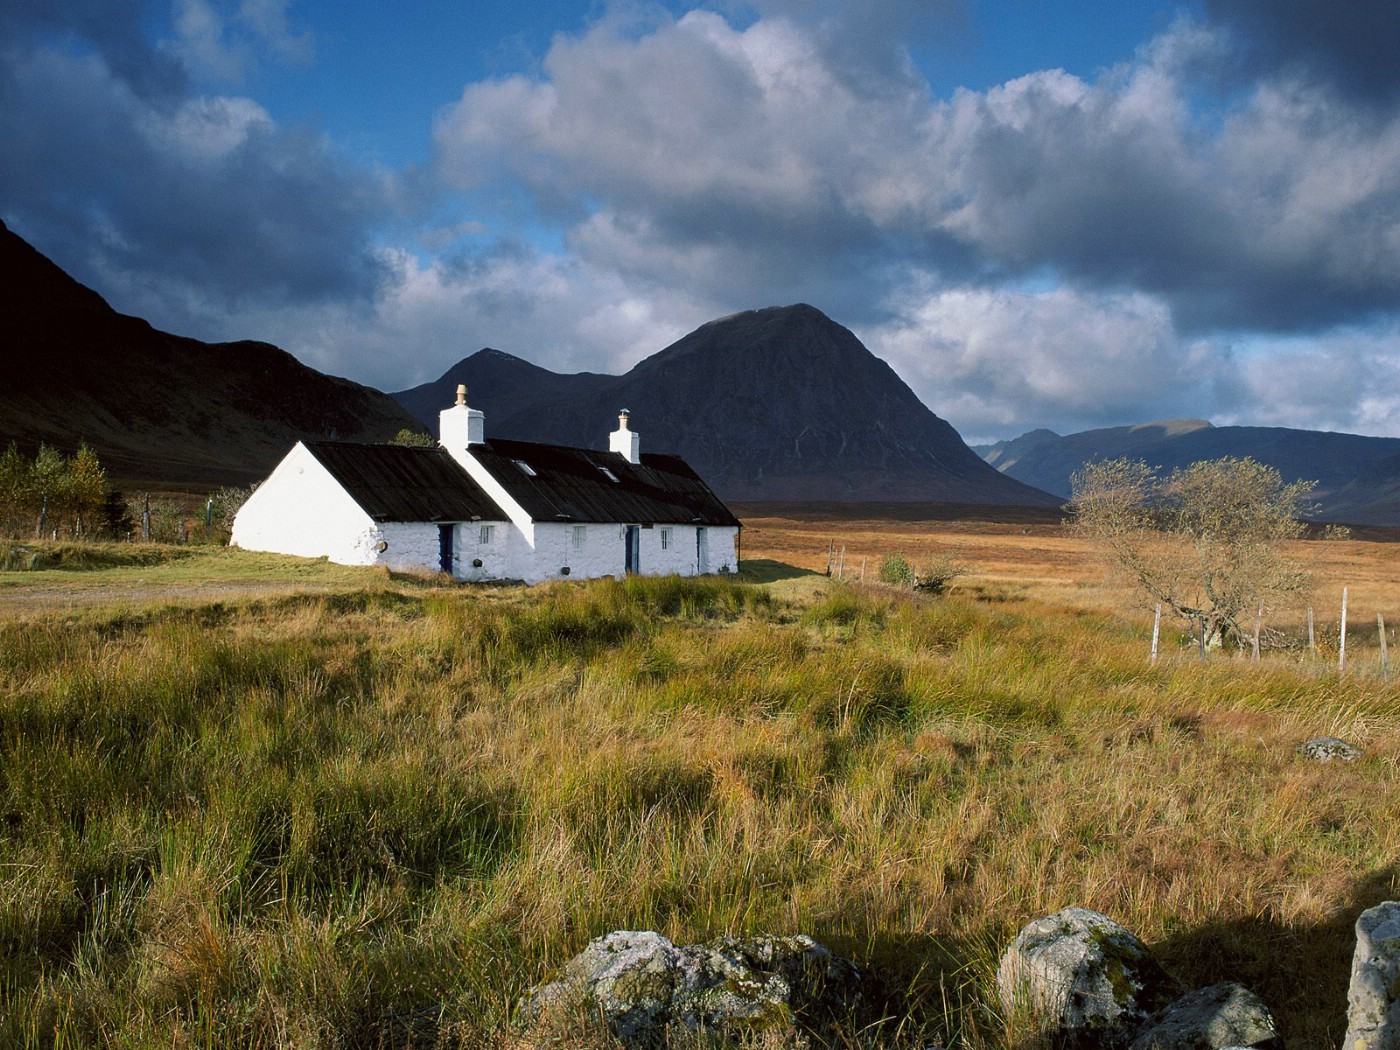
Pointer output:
x,y
110,28
181,205
1351,44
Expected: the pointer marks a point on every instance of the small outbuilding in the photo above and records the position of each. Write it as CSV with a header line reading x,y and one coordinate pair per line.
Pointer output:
x,y
492,510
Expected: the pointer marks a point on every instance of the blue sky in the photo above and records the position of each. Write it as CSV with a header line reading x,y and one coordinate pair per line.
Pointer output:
x,y
1062,214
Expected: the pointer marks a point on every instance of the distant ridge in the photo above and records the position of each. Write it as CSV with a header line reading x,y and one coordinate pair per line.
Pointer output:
x,y
159,409
775,404
1358,477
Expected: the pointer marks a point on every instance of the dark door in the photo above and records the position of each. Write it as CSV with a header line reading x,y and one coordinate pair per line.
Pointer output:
x,y
634,540
445,548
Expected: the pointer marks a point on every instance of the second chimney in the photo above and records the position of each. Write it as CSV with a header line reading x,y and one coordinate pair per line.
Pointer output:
x,y
625,441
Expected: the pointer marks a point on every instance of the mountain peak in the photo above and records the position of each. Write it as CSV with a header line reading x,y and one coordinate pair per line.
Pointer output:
x,y
776,403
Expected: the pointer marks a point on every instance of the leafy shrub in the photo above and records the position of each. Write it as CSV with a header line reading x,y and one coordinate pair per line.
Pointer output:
x,y
895,569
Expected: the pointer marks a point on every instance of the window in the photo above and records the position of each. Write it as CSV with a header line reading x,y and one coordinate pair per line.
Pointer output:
x,y
665,539
488,534
609,475
525,468
580,532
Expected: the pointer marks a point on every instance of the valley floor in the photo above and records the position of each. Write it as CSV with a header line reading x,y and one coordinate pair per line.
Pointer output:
x,y
260,802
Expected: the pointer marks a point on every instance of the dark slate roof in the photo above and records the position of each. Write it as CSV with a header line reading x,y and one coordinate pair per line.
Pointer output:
x,y
570,484
396,483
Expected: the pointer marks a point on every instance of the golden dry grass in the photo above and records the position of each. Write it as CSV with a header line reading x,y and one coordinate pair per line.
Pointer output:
x,y
303,820
1046,562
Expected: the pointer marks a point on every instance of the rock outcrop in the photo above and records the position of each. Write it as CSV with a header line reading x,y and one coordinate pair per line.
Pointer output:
x,y
1090,983
1085,976
1214,1018
642,986
1373,1001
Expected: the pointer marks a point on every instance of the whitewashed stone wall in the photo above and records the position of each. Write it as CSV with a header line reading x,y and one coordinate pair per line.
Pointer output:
x,y
411,545
300,509
498,556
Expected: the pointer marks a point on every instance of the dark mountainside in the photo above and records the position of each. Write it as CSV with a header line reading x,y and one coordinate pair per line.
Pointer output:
x,y
774,404
1358,477
159,409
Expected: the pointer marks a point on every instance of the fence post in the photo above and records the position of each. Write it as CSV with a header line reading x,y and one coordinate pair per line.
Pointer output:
x,y
1258,625
1385,653
1342,638
1203,636
1312,638
1156,630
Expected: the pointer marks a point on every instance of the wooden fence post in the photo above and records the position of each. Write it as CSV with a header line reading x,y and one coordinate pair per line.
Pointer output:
x,y
1385,653
1312,638
1342,638
1258,625
1203,636
1156,630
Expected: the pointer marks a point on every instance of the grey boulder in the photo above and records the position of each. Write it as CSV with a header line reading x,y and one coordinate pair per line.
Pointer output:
x,y
1329,749
1085,977
1215,1018
1373,1000
642,986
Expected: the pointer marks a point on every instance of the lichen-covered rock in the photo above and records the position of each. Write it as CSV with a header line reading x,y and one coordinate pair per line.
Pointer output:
x,y
641,985
1329,749
1373,1001
1214,1018
1084,976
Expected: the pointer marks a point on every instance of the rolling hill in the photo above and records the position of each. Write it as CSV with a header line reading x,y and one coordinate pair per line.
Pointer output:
x,y
1358,477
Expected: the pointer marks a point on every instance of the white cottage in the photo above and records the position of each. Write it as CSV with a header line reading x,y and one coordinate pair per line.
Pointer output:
x,y
490,510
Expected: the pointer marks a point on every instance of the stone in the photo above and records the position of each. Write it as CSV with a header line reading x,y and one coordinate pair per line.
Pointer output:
x,y
1373,1000
1329,749
1085,977
641,985
1215,1018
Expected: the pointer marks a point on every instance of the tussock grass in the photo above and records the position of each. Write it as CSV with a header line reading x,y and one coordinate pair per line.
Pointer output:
x,y
370,817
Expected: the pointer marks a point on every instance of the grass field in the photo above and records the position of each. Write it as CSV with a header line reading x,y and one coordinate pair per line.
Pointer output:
x,y
248,801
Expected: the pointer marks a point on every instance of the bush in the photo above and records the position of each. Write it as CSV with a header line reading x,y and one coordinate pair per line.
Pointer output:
x,y
895,569
934,576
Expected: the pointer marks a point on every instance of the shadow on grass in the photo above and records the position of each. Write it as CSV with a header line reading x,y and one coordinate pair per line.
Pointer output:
x,y
1301,971
766,570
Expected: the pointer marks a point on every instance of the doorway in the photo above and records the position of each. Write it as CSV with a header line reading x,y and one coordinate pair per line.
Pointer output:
x,y
445,548
633,540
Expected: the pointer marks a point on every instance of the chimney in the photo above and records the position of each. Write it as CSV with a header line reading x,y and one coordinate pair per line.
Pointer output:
x,y
460,426
623,441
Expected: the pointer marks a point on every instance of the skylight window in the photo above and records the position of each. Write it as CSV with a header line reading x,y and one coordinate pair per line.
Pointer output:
x,y
609,475
525,468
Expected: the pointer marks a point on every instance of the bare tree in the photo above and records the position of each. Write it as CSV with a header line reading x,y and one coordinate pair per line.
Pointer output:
x,y
1206,542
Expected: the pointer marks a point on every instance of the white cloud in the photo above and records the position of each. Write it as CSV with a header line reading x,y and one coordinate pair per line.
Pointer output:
x,y
993,361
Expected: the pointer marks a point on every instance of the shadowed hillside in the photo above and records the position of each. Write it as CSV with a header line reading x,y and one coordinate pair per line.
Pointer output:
x,y
158,408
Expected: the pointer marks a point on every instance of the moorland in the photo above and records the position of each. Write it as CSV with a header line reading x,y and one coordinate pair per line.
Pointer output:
x,y
254,801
